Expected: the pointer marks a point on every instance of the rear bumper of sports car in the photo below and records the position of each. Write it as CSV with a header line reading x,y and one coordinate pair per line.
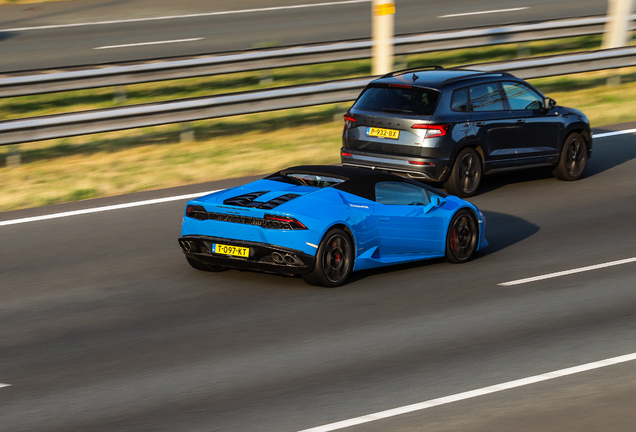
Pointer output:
x,y
262,257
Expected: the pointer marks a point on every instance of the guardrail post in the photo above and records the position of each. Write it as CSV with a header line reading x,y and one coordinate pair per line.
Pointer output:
x,y
383,14
617,27
13,158
187,133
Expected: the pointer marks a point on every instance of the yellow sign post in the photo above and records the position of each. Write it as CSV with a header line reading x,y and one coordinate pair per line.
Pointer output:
x,y
383,18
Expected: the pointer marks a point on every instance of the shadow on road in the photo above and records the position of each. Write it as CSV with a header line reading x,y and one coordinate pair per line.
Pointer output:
x,y
503,231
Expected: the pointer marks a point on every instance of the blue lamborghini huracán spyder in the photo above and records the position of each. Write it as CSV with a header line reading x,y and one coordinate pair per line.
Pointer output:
x,y
323,222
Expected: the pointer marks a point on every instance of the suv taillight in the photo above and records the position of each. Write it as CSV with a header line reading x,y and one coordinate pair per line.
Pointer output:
x,y
433,131
348,121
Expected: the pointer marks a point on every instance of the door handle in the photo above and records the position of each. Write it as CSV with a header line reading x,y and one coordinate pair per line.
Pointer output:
x,y
384,219
521,121
480,124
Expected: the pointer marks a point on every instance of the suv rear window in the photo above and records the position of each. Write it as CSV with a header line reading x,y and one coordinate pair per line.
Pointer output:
x,y
398,100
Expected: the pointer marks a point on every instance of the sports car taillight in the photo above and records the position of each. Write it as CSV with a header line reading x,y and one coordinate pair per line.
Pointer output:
x,y
433,131
282,222
195,211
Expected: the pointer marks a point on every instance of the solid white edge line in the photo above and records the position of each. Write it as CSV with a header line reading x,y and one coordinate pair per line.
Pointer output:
x,y
105,208
148,43
472,394
609,134
568,272
483,12
133,20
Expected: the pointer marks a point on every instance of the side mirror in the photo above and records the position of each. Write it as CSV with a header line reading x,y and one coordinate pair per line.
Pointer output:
x,y
549,103
437,201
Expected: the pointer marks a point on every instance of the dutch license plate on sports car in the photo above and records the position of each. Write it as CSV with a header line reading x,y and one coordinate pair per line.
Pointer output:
x,y
230,250
383,133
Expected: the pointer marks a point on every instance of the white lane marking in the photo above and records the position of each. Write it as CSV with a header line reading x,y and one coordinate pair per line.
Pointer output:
x,y
148,43
169,17
609,134
483,12
473,393
4,385
103,209
167,199
568,272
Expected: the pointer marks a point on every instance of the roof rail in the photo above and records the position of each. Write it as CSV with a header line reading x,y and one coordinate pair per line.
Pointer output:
x,y
402,71
478,74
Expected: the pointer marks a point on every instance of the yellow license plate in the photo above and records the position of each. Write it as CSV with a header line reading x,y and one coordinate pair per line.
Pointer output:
x,y
383,133
230,250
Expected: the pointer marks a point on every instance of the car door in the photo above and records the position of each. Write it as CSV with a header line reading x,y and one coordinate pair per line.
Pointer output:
x,y
407,220
492,124
536,129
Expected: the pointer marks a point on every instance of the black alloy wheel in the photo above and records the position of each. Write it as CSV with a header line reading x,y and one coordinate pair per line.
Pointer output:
x,y
573,158
462,237
465,176
334,260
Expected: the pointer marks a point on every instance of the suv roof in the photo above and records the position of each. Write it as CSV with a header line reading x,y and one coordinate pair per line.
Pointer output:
x,y
433,76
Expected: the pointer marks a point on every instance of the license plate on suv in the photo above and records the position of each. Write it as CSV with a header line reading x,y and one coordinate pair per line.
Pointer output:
x,y
383,133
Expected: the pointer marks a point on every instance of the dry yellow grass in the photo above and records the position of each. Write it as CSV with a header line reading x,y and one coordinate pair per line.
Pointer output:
x,y
26,1
130,161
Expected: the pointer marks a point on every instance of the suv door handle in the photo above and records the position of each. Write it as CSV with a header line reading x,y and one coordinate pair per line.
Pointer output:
x,y
480,123
521,121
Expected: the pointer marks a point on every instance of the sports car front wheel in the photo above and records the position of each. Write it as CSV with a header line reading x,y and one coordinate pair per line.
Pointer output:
x,y
461,240
334,260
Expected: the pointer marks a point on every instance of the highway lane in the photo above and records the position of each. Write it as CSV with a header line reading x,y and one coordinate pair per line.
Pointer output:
x,y
105,327
62,34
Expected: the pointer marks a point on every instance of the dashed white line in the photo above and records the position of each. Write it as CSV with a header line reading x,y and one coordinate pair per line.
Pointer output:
x,y
103,209
568,272
4,385
472,394
148,43
205,14
483,12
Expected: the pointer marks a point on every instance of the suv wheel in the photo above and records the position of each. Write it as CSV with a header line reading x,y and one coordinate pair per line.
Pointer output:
x,y
573,158
466,174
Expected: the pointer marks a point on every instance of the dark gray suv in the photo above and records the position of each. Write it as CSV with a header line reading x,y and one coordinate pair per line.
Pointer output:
x,y
454,125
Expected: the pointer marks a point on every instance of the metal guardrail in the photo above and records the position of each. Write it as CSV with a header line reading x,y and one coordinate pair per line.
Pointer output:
x,y
107,120
47,82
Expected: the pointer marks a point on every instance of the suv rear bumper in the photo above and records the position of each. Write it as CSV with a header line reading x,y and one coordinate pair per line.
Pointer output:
x,y
430,169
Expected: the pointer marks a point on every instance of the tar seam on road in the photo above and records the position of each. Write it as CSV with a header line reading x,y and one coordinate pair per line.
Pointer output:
x,y
472,394
123,21
483,12
568,272
149,43
103,209
176,198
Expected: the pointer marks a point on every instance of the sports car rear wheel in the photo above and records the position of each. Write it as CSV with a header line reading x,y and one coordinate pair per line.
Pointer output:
x,y
334,260
195,263
461,240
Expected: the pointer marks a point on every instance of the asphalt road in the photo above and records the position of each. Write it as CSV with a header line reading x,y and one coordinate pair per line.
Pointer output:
x,y
65,34
105,327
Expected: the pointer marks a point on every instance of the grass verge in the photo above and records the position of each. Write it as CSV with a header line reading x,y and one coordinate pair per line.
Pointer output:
x,y
115,163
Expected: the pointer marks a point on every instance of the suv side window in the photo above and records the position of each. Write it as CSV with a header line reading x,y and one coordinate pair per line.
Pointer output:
x,y
400,193
485,97
522,97
459,102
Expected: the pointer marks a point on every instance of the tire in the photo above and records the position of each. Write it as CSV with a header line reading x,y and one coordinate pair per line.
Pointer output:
x,y
195,263
466,174
334,260
573,158
462,237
